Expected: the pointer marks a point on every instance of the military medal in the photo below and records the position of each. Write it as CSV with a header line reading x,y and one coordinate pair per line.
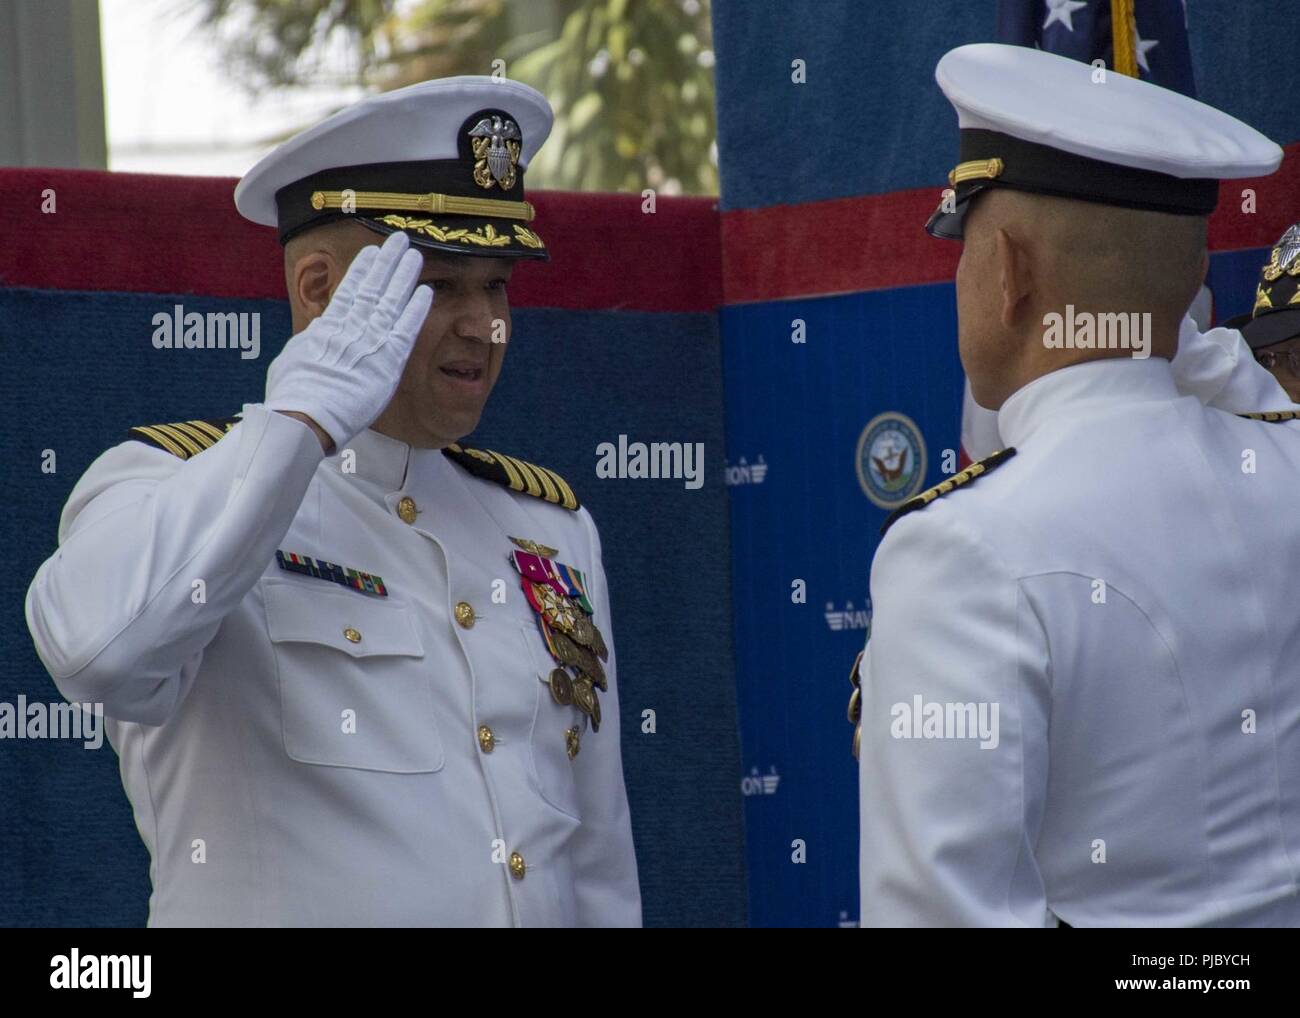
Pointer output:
x,y
561,687
583,631
558,596
566,651
583,694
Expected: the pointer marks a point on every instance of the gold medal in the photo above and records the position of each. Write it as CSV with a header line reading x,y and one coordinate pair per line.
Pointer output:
x,y
587,663
855,707
584,697
572,738
598,643
561,687
597,680
595,712
583,631
566,650
559,611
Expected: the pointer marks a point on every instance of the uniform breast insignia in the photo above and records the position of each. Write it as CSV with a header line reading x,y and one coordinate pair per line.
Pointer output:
x,y
365,583
535,548
516,474
1273,415
943,487
558,595
184,438
855,703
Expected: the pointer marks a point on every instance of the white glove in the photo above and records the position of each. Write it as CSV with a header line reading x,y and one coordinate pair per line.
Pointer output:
x,y
342,370
1219,369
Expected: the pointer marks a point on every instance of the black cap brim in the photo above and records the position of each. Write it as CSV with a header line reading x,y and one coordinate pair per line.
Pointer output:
x,y
1269,328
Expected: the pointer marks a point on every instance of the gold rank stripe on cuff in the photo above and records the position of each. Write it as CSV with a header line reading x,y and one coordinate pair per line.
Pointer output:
x,y
943,487
1273,415
516,474
184,439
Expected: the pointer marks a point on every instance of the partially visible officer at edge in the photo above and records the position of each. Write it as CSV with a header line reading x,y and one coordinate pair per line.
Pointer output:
x,y
1272,326
1078,699
325,714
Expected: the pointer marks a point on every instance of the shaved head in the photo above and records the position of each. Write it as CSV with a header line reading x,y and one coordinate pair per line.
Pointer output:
x,y
1026,256
315,261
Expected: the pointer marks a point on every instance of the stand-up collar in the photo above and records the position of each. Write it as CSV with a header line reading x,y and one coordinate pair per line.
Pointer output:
x,y
1082,390
375,458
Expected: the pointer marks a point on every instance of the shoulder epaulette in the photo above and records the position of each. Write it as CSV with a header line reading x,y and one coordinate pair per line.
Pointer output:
x,y
1273,415
184,438
515,474
943,487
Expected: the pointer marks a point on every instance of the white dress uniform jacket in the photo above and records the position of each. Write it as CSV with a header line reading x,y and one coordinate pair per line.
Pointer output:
x,y
230,716
1116,603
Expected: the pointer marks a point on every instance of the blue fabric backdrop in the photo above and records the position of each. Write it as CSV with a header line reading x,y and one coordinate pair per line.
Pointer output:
x,y
80,370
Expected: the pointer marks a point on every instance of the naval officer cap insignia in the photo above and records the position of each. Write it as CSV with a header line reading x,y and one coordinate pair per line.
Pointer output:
x,y
441,160
1043,123
1275,318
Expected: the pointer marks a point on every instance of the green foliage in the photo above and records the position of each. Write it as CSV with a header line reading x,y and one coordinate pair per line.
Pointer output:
x,y
631,80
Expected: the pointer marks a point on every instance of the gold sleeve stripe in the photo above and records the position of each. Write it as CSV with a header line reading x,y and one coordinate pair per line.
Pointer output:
x,y
182,439
161,440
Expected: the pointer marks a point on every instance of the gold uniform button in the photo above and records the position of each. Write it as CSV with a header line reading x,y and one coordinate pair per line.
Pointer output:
x,y
517,867
465,614
486,740
407,509
353,635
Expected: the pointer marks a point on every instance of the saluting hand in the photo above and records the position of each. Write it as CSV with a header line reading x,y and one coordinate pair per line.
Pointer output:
x,y
340,372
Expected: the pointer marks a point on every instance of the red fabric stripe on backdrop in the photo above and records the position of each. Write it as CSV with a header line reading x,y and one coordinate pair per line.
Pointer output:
x,y
145,233
873,243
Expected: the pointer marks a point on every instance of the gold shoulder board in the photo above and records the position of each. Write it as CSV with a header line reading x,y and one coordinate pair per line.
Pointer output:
x,y
184,438
515,474
943,487
1273,415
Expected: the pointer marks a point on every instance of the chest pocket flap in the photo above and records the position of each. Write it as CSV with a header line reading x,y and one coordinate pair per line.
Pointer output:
x,y
355,686
357,624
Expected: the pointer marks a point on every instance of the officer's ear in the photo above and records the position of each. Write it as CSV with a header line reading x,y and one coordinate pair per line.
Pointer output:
x,y
1011,262
314,277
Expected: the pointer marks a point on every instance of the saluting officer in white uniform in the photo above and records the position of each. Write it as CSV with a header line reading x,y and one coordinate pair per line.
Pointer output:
x,y
1079,700
356,673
